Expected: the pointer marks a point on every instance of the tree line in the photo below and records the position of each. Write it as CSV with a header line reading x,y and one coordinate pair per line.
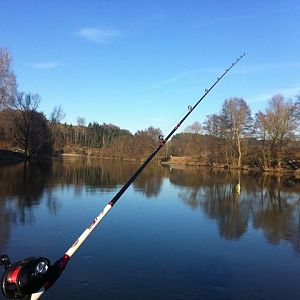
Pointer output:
x,y
231,138
268,135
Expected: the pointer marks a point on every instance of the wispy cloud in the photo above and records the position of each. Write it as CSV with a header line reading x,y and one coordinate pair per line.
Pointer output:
x,y
286,92
47,65
98,35
182,76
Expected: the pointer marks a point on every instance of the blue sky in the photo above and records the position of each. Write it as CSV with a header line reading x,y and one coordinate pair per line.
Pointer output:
x,y
141,63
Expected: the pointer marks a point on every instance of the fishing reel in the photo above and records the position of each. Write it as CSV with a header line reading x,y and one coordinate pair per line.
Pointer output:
x,y
24,277
30,275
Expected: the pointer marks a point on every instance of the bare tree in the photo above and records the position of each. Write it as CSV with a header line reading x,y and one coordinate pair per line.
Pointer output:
x,y
213,125
261,133
81,121
229,127
237,121
31,131
8,84
196,128
79,130
56,116
278,124
27,102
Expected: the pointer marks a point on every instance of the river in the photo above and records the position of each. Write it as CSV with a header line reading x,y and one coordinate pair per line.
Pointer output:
x,y
177,233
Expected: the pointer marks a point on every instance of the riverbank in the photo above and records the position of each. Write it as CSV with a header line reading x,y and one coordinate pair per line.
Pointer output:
x,y
193,161
11,157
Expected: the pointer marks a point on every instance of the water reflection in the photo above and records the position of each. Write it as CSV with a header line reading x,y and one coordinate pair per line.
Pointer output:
x,y
5,224
277,212
24,185
107,175
21,189
236,201
218,195
223,204
92,173
150,181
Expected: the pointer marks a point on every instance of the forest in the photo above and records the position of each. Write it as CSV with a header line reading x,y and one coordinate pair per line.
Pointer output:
x,y
231,138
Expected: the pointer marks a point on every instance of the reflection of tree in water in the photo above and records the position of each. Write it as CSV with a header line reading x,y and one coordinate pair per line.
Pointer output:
x,y
223,204
92,173
106,175
270,202
22,188
5,221
217,194
150,181
192,182
277,212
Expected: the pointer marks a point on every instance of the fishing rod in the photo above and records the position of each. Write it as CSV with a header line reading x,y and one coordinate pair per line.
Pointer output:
x,y
29,278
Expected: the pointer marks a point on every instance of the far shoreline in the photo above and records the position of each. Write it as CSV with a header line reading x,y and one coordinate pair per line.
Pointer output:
x,y
8,157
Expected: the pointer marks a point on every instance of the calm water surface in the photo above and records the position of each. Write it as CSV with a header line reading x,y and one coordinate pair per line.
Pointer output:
x,y
177,233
